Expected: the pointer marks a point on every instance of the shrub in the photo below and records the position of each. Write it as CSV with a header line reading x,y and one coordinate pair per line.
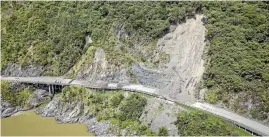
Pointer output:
x,y
162,131
211,96
132,107
115,100
18,98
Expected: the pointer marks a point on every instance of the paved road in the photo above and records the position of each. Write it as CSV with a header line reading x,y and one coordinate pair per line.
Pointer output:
x,y
239,120
251,125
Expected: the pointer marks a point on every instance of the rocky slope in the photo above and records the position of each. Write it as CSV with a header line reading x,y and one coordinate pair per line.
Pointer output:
x,y
179,77
160,113
74,112
38,97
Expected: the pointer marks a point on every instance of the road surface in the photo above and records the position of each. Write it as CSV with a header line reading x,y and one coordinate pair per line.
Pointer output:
x,y
249,124
239,120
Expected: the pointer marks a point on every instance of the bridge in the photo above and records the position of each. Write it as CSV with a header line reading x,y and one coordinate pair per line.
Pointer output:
x,y
54,82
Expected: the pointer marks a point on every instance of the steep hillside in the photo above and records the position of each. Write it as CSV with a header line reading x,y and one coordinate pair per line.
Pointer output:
x,y
51,36
237,67
217,49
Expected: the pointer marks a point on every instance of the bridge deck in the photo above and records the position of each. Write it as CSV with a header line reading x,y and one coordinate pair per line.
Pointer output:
x,y
40,80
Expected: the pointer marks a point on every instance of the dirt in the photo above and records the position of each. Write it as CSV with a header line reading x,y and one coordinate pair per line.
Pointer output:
x,y
179,77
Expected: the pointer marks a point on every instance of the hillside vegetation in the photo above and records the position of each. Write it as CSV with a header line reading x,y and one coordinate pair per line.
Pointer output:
x,y
198,123
237,71
52,34
15,98
113,106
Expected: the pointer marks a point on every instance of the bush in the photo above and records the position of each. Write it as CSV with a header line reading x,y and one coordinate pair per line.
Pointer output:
x,y
115,100
75,93
132,107
163,131
211,96
18,98
23,97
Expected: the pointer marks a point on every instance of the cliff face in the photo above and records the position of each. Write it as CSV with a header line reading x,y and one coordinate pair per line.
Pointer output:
x,y
179,77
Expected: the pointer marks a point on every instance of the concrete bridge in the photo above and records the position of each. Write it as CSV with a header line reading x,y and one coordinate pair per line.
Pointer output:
x,y
55,82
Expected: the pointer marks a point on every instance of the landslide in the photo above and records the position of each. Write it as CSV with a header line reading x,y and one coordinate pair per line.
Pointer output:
x,y
179,77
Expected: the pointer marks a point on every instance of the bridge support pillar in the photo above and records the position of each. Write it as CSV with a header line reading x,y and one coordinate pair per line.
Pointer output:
x,y
49,90
52,86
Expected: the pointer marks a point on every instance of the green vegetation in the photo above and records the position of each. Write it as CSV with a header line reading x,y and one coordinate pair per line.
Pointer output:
x,y
163,131
111,106
132,107
52,34
16,98
198,123
239,55
211,96
82,63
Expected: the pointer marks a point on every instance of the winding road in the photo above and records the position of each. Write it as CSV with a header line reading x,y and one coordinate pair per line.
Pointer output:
x,y
241,121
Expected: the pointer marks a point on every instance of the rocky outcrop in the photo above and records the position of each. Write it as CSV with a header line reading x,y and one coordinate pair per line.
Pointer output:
x,y
16,70
74,112
161,113
7,109
100,70
38,97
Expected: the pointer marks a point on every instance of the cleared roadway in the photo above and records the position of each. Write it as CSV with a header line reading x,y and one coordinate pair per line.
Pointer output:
x,y
246,123
237,119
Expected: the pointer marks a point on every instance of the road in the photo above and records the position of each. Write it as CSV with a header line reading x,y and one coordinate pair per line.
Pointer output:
x,y
249,124
239,120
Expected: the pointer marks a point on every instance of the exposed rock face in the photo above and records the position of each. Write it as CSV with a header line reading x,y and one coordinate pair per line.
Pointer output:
x,y
100,70
38,97
177,78
74,112
16,70
7,109
160,113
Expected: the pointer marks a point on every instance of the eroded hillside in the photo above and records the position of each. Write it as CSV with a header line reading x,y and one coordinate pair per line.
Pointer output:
x,y
157,44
